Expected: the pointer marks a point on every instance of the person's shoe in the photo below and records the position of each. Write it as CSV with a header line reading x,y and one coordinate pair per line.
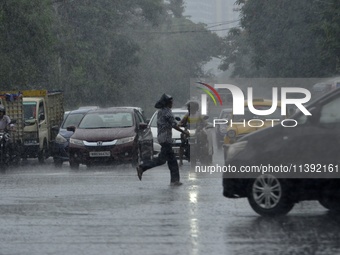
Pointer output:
x,y
177,183
139,172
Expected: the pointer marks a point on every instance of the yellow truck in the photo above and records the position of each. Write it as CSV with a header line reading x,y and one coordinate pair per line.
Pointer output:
x,y
38,120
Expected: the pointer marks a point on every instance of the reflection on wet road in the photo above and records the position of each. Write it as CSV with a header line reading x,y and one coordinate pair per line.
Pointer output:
x,y
44,210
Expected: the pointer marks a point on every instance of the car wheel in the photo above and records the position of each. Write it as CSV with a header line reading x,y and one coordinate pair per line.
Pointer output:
x,y
58,163
268,196
330,203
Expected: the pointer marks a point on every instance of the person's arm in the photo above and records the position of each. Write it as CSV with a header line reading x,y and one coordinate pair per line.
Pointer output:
x,y
176,126
186,132
184,121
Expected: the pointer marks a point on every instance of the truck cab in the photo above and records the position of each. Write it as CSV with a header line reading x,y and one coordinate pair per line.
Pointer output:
x,y
36,135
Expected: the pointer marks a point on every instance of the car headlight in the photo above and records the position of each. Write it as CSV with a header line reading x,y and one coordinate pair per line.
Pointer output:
x,y
231,133
125,140
60,139
236,148
76,142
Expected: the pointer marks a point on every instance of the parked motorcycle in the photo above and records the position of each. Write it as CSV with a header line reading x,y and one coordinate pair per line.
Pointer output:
x,y
197,147
8,154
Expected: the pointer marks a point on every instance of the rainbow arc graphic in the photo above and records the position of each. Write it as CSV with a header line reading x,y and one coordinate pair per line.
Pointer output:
x,y
210,91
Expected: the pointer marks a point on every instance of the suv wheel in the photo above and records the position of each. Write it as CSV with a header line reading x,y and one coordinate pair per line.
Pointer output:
x,y
268,196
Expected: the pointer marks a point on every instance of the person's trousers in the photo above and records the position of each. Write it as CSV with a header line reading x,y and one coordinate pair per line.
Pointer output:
x,y
166,155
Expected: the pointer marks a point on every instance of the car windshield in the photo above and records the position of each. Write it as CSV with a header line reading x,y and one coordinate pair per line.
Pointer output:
x,y
248,115
107,120
72,120
176,114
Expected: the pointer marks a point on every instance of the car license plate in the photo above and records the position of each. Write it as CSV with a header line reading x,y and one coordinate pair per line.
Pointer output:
x,y
100,154
176,150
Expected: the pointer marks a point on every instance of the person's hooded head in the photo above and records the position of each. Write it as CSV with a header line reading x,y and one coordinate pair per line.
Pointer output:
x,y
164,101
193,106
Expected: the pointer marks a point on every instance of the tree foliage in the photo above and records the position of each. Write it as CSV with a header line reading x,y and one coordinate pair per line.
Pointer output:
x,y
103,52
27,42
283,38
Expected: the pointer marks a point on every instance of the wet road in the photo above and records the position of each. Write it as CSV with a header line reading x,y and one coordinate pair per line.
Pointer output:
x,y
44,210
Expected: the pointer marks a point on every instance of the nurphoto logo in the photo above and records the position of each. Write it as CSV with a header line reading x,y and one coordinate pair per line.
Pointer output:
x,y
238,101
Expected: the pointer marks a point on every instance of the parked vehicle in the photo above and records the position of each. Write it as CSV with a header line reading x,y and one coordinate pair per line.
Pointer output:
x,y
9,155
61,145
311,149
176,136
110,135
43,115
39,114
198,146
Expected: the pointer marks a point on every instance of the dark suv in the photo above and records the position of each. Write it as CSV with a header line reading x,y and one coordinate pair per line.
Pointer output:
x,y
60,148
279,166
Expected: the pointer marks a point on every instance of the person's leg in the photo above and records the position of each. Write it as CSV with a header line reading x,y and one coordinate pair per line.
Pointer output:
x,y
181,152
172,163
160,160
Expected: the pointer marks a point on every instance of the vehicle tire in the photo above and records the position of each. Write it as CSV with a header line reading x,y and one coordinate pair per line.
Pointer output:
x,y
58,163
42,155
268,196
74,165
331,203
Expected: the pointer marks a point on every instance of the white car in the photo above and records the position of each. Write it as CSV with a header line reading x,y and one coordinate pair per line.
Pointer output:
x,y
176,136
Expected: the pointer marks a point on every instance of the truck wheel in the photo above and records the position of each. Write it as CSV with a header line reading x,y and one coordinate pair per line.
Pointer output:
x,y
42,155
268,196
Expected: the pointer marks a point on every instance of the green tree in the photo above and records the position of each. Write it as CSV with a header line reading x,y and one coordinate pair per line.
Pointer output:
x,y
97,53
26,43
279,38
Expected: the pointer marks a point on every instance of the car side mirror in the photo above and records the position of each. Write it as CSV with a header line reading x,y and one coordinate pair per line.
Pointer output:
x,y
71,128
